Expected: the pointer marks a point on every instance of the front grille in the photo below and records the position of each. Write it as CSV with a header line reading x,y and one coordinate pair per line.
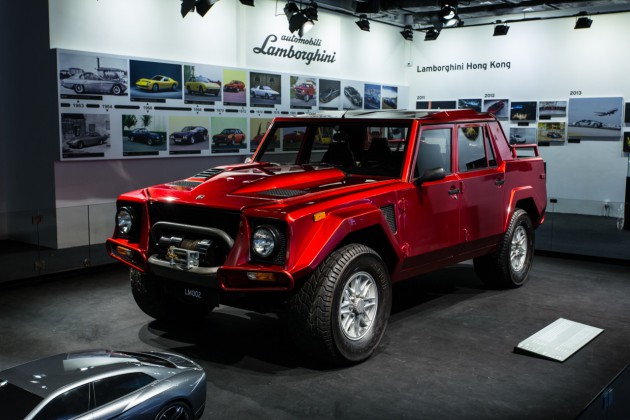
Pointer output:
x,y
193,228
227,221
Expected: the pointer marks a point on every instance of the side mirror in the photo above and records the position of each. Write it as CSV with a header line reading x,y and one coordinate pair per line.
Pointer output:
x,y
433,174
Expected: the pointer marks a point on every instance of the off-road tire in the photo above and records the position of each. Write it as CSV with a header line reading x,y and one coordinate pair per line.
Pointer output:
x,y
150,296
509,266
316,313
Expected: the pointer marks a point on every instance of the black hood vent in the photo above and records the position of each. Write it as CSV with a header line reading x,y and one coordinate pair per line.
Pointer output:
x,y
208,173
283,193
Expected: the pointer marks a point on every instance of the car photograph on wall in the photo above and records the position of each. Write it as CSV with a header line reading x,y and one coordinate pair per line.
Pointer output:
x,y
104,384
588,123
189,135
157,83
234,86
353,95
89,82
202,85
91,138
143,135
328,94
231,136
263,92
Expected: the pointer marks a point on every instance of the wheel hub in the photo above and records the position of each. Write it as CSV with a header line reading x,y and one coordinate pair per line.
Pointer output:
x,y
518,249
359,305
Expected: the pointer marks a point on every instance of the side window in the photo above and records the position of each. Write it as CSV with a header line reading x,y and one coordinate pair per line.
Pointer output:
x,y
109,389
434,151
67,405
471,151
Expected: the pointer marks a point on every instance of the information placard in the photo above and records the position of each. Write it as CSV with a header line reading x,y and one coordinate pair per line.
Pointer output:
x,y
559,340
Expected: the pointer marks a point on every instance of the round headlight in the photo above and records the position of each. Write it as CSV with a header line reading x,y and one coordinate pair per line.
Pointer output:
x,y
125,219
264,241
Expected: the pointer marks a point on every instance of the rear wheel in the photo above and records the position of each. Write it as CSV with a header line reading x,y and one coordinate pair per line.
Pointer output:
x,y
79,88
150,295
341,312
509,266
116,90
156,88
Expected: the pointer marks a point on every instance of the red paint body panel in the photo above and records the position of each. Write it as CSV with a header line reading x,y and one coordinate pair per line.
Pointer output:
x,y
316,207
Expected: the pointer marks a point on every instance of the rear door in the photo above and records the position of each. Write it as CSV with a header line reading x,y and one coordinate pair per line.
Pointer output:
x,y
482,193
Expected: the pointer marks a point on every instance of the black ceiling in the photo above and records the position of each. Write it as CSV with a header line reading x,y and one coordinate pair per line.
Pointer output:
x,y
419,13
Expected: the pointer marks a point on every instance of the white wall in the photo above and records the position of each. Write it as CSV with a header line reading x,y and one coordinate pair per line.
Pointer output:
x,y
548,60
226,36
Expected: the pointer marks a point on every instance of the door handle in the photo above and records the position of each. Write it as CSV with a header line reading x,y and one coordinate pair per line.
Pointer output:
x,y
453,191
499,181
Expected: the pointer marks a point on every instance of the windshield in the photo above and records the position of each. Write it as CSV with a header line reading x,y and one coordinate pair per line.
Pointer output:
x,y
16,402
357,147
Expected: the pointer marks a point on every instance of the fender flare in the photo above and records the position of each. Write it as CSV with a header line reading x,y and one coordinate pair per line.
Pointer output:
x,y
338,225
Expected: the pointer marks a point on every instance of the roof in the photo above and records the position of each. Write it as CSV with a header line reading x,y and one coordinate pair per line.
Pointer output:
x,y
430,116
44,376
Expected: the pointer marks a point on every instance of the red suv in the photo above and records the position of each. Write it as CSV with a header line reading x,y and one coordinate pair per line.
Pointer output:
x,y
324,230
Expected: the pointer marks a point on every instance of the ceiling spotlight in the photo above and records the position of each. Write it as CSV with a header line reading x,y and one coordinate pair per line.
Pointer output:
x,y
311,11
247,2
300,20
431,35
583,21
363,23
448,13
187,6
407,33
500,29
201,6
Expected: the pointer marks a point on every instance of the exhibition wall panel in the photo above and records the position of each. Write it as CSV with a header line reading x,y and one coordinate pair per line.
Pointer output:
x,y
543,61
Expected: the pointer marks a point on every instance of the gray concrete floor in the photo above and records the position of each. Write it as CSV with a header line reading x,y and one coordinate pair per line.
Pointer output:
x,y
447,353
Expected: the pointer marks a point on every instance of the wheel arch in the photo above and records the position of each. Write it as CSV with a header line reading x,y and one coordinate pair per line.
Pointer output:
x,y
363,226
523,198
373,237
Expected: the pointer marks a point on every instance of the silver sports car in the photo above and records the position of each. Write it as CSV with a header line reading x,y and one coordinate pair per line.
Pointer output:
x,y
94,83
102,384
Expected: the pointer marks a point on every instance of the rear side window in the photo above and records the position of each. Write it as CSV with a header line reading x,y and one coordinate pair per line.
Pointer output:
x,y
471,150
109,389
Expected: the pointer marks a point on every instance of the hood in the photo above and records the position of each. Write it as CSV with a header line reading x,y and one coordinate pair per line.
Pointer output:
x,y
236,187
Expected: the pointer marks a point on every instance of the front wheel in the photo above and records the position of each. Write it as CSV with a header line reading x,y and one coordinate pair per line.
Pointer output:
x,y
509,266
150,295
340,314
177,410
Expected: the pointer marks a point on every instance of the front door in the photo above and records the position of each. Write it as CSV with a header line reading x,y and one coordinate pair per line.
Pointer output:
x,y
431,218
